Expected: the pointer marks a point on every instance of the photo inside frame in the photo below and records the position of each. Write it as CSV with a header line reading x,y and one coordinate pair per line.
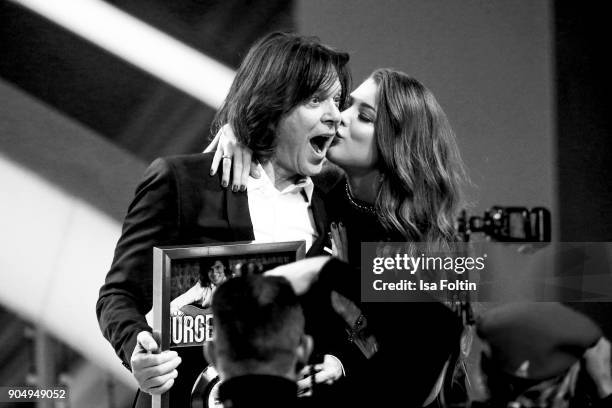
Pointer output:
x,y
192,285
185,279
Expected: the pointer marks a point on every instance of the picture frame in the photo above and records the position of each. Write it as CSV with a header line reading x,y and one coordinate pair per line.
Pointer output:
x,y
184,278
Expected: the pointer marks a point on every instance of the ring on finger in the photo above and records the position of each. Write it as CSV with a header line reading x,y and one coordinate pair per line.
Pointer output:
x,y
226,156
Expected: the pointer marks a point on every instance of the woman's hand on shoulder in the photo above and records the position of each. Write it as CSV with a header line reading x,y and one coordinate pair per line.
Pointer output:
x,y
235,159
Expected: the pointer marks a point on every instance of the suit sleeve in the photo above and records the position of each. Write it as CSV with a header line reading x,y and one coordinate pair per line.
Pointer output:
x,y
325,324
126,296
341,277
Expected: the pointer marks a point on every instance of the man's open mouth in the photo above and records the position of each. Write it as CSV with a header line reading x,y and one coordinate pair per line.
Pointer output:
x,y
320,143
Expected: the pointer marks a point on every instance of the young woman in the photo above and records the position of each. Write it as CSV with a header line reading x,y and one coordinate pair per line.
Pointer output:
x,y
402,165
403,178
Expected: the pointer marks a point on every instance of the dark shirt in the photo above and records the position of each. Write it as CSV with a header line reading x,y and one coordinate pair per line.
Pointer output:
x,y
261,391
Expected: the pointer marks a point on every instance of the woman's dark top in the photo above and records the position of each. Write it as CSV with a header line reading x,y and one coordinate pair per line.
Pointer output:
x,y
414,339
361,226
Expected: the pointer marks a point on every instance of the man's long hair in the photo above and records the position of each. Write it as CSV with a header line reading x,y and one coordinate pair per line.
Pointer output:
x,y
280,71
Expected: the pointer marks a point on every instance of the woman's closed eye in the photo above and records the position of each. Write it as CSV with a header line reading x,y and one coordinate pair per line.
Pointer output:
x,y
365,118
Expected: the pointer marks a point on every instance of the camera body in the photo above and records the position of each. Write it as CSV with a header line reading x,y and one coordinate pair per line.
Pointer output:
x,y
508,224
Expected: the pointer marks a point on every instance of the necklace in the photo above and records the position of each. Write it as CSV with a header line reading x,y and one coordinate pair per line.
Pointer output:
x,y
366,208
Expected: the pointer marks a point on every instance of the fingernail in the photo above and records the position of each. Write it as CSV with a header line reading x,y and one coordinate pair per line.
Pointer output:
x,y
341,225
235,188
224,184
243,188
333,225
212,172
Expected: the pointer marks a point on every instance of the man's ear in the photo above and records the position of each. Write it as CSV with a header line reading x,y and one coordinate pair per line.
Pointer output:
x,y
304,349
209,353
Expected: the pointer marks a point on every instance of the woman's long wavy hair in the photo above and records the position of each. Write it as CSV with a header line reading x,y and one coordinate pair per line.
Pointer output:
x,y
422,172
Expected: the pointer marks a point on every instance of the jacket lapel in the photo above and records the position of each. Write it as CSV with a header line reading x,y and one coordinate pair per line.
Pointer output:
x,y
320,219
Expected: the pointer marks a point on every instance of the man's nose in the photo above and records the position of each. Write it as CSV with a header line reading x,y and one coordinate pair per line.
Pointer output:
x,y
345,117
332,114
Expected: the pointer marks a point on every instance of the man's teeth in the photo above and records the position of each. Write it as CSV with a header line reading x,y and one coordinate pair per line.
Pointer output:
x,y
318,143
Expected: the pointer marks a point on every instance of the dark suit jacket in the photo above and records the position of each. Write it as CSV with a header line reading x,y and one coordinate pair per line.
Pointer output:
x,y
177,203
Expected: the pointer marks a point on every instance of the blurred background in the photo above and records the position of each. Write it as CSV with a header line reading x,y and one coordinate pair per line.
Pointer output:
x,y
525,85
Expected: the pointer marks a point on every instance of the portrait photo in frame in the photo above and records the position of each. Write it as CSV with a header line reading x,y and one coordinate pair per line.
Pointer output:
x,y
185,277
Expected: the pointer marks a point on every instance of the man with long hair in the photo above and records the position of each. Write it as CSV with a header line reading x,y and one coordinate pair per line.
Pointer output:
x,y
284,104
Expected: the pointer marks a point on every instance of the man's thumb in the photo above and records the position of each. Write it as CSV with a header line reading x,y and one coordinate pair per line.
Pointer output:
x,y
147,342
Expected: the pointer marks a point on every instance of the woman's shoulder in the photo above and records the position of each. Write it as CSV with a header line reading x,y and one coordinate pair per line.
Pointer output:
x,y
335,202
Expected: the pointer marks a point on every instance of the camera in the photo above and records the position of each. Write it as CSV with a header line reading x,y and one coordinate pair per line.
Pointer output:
x,y
508,224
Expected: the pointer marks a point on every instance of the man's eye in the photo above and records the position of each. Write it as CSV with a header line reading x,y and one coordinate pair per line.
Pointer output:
x,y
337,101
315,99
